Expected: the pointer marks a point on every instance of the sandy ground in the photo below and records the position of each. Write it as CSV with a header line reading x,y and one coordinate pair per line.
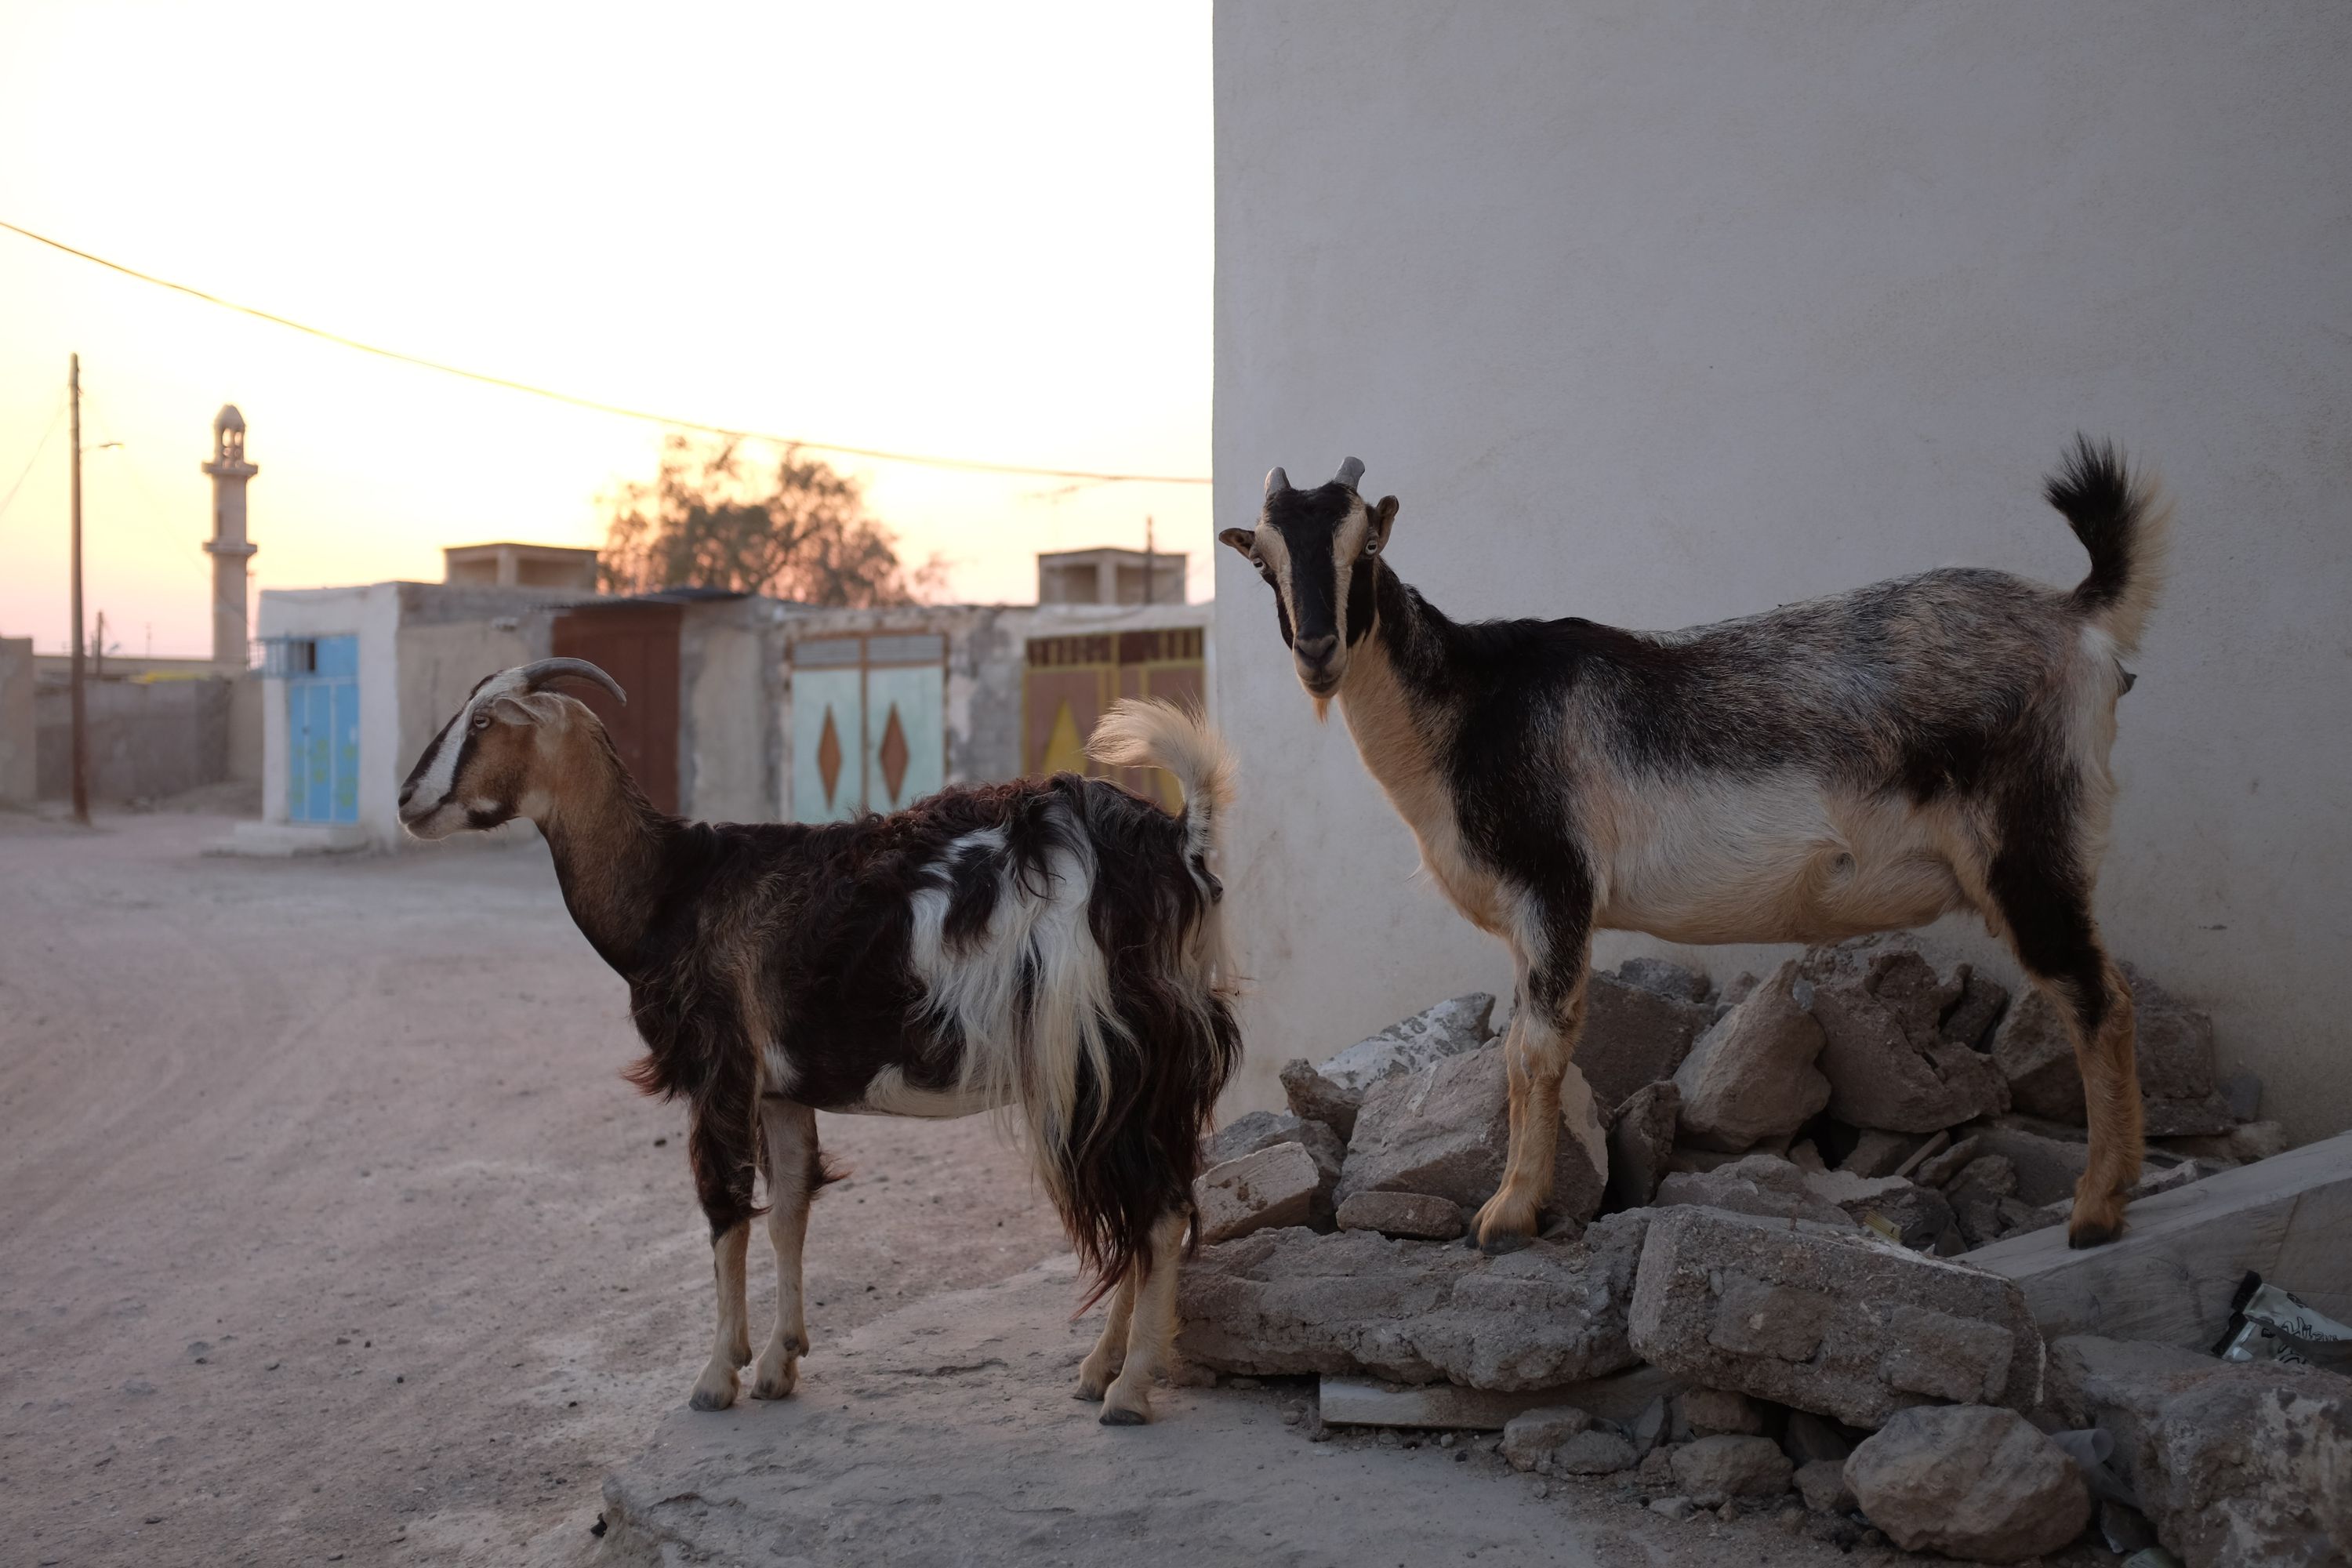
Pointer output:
x,y
328,1231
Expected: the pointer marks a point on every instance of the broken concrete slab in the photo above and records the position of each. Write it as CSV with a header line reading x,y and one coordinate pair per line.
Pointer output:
x,y
1822,1483
1313,1098
1722,1412
1887,1063
2232,1462
1444,1130
1270,1188
2168,1277
1265,1128
1633,1035
1838,1322
1762,1184
1291,1302
1530,1437
1712,1471
1938,1169
2046,1168
1456,1024
1878,1152
1621,1397
1596,1452
972,1452
1751,1075
1968,1480
1667,979
1415,1216
1641,1145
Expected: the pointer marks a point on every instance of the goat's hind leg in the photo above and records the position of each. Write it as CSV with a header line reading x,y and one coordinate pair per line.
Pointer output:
x,y
1103,1363
795,1170
1152,1325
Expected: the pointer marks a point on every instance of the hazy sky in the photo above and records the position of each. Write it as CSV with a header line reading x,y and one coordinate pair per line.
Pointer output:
x,y
980,231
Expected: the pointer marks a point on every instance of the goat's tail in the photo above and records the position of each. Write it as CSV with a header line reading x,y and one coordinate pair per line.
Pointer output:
x,y
1136,733
2126,523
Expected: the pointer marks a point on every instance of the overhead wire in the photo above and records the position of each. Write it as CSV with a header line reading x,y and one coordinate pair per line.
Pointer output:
x,y
623,411
38,448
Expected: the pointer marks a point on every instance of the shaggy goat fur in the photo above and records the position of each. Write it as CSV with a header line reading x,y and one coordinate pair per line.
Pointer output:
x,y
1049,947
1861,762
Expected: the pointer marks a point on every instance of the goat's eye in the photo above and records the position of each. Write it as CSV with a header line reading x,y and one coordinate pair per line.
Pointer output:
x,y
481,721
1372,544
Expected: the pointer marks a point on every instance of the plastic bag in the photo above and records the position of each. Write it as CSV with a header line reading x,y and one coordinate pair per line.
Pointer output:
x,y
2267,1323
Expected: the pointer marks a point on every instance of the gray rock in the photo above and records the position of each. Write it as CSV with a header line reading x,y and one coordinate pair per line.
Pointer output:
x,y
1667,979
1530,1438
1762,1184
1656,1471
2232,1462
1674,1507
1916,1215
1713,1470
1641,1145
1444,1130
1416,1216
1987,1173
1313,1098
1292,1302
1970,1020
1595,1453
1450,1028
1721,1412
1878,1153
1265,1128
1938,1169
2046,1168
1632,1035
1888,1062
1822,1483
1751,1076
1839,1323
1263,1191
1968,1480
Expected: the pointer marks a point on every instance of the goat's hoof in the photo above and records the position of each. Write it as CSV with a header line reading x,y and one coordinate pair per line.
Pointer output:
x,y
2096,1229
776,1381
1506,1224
714,1389
1504,1241
1121,1415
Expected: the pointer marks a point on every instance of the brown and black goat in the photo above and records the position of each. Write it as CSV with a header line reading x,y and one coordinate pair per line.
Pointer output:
x,y
1861,762
1049,947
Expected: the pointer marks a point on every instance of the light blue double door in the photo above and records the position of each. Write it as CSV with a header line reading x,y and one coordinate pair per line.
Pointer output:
x,y
322,730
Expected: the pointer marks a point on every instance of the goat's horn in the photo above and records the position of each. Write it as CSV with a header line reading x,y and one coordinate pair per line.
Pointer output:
x,y
1350,471
1277,482
541,674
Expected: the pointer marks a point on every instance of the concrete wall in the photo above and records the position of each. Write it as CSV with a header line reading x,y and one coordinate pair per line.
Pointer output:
x,y
19,744
370,613
1657,311
146,741
731,745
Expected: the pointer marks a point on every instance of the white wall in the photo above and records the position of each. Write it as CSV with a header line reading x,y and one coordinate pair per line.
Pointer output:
x,y
1659,313
373,615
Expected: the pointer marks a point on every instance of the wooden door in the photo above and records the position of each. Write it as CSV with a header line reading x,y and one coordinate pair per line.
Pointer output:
x,y
323,728
1071,679
637,645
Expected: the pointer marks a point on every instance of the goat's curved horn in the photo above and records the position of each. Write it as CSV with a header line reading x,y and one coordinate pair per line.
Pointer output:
x,y
1350,471
541,674
1277,482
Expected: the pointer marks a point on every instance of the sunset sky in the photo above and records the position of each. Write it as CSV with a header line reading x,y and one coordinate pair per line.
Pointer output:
x,y
980,232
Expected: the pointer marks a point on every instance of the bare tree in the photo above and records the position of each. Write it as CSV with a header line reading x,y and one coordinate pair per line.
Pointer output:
x,y
711,519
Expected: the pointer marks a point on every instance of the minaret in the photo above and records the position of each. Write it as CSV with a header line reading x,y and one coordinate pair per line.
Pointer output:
x,y
228,545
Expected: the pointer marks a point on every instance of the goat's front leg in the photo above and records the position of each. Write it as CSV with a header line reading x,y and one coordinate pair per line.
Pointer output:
x,y
1152,1326
1537,1051
731,1345
795,1171
1102,1363
724,1145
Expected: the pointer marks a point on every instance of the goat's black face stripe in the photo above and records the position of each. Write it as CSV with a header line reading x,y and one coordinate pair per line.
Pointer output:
x,y
1309,522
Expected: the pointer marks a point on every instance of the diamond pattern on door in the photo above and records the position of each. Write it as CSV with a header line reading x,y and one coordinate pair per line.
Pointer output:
x,y
828,758
893,754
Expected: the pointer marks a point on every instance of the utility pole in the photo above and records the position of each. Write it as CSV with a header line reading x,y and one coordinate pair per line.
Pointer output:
x,y
80,706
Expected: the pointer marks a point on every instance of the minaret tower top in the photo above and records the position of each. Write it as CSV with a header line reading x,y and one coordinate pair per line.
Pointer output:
x,y
228,546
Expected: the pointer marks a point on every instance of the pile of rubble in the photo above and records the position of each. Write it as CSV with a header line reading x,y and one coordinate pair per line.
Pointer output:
x,y
1806,1235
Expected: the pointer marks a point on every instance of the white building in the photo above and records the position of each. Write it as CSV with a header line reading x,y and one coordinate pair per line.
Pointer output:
x,y
1656,312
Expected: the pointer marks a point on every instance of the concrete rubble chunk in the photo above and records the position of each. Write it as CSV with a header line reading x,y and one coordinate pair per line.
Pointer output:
x,y
1454,1026
1751,1076
1531,1437
2046,1168
1968,1480
1988,1173
1354,1302
1822,1483
1444,1130
1265,1128
1763,1184
1633,1035
1712,1471
1938,1169
1837,1322
1722,1412
1970,1019
1270,1188
1884,1056
2169,1276
1313,1098
1599,1452
1641,1144
2232,1462
1413,1215
1916,1215
1878,1153
1667,979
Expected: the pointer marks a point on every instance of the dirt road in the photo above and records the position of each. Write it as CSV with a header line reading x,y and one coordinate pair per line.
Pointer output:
x,y
328,1231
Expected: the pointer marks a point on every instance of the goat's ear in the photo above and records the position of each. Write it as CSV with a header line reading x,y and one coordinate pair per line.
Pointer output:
x,y
537,708
1243,539
1383,516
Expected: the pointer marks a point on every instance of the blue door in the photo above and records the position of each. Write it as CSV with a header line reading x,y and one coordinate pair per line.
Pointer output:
x,y
322,730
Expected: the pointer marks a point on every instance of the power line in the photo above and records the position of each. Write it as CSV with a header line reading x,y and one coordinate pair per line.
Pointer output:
x,y
621,411
38,448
